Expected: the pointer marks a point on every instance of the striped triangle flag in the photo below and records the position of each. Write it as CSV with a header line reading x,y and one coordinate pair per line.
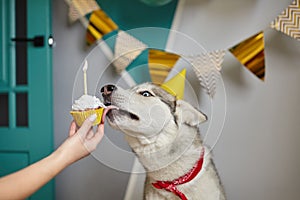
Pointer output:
x,y
207,67
79,8
288,21
127,48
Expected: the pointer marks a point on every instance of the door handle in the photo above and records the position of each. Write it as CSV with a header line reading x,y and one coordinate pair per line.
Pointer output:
x,y
38,41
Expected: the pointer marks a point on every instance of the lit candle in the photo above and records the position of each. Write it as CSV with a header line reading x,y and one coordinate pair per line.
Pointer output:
x,y
84,69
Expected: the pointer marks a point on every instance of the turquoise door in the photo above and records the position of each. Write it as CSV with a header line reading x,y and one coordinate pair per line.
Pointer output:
x,y
25,87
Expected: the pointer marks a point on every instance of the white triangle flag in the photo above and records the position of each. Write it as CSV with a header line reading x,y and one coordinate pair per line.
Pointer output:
x,y
207,67
79,8
127,48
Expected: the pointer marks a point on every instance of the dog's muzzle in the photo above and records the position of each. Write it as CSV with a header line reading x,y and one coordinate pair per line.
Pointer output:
x,y
106,92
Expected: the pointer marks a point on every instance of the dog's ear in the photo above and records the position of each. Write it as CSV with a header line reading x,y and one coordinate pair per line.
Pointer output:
x,y
185,113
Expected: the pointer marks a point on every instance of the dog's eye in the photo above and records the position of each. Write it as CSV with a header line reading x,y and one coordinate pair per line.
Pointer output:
x,y
146,94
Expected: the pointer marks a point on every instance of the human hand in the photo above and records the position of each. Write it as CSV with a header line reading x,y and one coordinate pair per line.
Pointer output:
x,y
81,142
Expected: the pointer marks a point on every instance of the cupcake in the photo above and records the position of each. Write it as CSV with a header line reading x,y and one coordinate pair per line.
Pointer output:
x,y
86,106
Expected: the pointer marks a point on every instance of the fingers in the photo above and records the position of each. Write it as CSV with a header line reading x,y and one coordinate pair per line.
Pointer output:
x,y
99,134
90,134
100,129
89,138
72,129
87,125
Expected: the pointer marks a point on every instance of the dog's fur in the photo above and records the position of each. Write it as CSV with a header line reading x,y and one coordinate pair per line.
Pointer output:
x,y
163,132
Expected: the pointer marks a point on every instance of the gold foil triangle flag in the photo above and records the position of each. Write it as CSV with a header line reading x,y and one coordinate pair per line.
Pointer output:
x,y
288,21
207,68
99,25
175,86
250,53
160,64
79,8
127,48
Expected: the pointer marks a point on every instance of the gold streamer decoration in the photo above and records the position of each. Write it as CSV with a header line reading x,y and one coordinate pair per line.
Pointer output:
x,y
288,21
250,53
99,25
160,64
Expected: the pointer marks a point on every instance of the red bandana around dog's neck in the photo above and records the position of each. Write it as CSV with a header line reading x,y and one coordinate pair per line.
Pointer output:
x,y
171,185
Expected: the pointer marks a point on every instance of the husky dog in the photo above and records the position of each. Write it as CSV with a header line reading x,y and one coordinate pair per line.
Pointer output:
x,y
163,133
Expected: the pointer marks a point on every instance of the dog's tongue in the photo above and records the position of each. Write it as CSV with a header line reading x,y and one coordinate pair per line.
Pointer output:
x,y
108,108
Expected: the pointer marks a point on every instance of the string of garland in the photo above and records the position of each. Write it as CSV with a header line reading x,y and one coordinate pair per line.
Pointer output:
x,y
207,66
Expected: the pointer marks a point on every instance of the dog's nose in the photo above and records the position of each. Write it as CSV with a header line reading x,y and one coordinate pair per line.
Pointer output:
x,y
107,90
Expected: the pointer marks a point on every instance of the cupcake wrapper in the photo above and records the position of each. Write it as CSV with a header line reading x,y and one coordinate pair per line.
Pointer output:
x,y
81,116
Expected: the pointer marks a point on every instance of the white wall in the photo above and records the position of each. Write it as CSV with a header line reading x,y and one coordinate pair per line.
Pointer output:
x,y
257,153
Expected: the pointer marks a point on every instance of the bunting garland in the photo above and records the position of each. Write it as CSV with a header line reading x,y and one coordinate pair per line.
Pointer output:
x,y
155,65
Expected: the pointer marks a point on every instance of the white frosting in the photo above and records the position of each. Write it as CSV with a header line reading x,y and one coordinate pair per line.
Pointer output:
x,y
87,102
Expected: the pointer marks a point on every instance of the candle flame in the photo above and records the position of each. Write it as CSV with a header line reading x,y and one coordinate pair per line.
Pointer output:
x,y
85,66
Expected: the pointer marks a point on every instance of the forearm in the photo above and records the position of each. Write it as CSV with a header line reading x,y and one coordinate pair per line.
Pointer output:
x,y
25,182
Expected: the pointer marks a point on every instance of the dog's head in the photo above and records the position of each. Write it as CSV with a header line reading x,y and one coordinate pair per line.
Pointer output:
x,y
146,110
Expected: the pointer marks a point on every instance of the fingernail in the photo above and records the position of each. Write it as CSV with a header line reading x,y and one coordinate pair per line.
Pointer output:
x,y
92,117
